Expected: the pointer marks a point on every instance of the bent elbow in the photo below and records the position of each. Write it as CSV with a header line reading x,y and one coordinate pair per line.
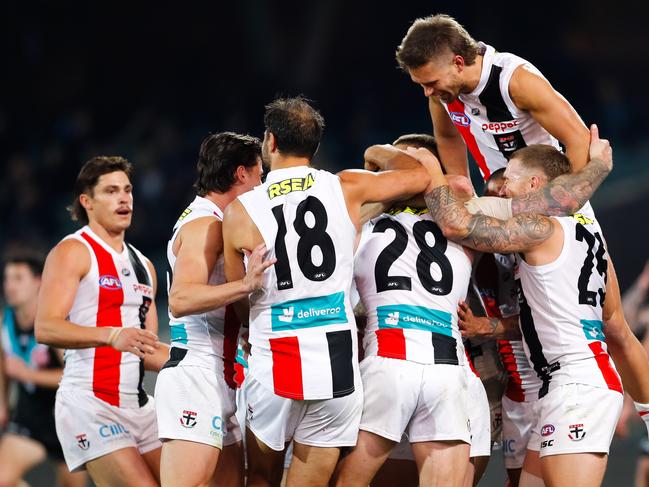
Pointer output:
x,y
177,306
42,333
175,309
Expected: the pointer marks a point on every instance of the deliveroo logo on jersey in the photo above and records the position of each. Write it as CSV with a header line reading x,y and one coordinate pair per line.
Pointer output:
x,y
310,312
593,329
414,318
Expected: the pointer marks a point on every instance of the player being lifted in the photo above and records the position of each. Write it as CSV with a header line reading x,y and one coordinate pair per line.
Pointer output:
x,y
561,261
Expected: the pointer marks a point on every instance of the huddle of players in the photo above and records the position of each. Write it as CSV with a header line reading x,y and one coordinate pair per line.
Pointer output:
x,y
280,257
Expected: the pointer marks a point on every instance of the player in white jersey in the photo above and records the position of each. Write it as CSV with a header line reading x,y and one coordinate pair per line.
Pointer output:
x,y
303,381
410,280
97,302
195,391
493,103
561,316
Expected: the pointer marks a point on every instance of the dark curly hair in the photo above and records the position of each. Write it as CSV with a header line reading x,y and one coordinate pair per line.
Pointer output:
x,y
296,125
219,157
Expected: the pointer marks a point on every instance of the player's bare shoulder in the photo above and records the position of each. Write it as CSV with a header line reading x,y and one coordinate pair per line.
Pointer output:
x,y
526,85
69,256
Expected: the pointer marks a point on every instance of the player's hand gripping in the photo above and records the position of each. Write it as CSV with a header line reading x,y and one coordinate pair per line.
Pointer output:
x,y
134,340
470,325
256,267
600,148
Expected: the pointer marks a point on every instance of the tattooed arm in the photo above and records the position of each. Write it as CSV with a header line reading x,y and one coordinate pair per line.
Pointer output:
x,y
480,232
520,233
567,193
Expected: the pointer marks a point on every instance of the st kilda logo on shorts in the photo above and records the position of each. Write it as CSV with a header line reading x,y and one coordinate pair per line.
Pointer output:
x,y
82,442
577,432
188,419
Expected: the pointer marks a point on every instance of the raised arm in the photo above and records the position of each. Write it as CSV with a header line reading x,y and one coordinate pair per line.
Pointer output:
x,y
566,194
64,268
532,92
520,233
362,187
450,145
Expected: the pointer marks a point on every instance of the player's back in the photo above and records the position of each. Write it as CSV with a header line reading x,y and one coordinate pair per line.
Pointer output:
x,y
561,309
302,329
411,279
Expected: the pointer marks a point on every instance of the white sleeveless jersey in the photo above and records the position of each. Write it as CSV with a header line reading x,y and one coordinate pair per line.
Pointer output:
x,y
302,327
411,279
207,338
561,309
115,292
491,125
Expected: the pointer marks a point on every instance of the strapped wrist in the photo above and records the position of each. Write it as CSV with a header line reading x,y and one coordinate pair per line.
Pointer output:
x,y
114,334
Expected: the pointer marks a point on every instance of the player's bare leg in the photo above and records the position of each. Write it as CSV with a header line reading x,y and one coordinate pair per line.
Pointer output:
x,y
178,453
70,479
121,468
441,463
514,475
18,455
230,469
531,475
574,470
476,470
365,460
642,472
397,472
311,465
265,465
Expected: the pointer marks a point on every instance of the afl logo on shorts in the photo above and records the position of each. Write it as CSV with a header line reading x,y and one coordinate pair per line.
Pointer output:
x,y
547,430
460,119
111,283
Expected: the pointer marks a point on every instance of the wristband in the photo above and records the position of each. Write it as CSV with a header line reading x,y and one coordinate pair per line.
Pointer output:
x,y
114,333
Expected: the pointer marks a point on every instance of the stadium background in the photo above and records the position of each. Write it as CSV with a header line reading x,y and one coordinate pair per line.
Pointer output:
x,y
150,81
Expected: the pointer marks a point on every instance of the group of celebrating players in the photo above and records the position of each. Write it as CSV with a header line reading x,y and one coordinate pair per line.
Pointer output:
x,y
275,289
